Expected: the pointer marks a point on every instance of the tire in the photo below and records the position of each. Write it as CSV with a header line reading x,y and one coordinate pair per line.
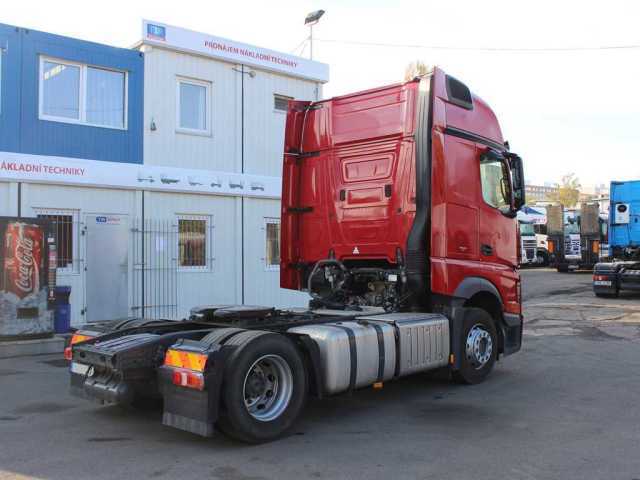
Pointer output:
x,y
262,417
478,336
563,269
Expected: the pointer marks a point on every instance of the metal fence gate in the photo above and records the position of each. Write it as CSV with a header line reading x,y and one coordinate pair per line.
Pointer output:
x,y
155,269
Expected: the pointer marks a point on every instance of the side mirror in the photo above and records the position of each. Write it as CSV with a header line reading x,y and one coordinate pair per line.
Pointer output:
x,y
517,175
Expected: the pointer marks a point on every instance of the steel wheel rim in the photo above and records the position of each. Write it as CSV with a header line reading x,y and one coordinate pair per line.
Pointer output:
x,y
268,388
479,346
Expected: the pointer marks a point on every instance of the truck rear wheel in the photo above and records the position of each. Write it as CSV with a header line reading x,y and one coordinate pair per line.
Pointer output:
x,y
479,347
264,388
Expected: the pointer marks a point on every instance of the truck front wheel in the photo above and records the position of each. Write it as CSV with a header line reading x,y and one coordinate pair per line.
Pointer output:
x,y
479,347
264,388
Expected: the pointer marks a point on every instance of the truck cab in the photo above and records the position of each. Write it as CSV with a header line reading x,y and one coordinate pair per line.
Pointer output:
x,y
528,245
542,242
575,236
533,236
403,197
622,271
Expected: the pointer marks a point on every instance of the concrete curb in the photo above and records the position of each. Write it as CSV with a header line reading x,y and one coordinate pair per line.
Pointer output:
x,y
42,346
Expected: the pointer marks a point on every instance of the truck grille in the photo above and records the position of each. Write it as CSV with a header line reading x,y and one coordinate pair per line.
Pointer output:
x,y
529,246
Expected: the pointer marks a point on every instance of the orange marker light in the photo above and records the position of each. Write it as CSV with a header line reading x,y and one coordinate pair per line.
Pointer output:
x,y
188,360
76,338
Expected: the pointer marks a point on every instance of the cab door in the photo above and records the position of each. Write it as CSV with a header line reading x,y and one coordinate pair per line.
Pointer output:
x,y
497,228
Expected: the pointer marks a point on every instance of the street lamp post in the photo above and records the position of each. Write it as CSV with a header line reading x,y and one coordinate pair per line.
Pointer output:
x,y
311,20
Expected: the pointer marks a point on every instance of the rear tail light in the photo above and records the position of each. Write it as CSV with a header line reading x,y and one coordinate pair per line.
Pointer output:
x,y
600,277
183,377
76,338
187,368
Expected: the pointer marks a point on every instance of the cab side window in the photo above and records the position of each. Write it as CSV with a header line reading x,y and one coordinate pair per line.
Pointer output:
x,y
495,184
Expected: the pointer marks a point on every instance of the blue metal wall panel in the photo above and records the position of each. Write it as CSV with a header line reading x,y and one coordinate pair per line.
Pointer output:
x,y
11,52
44,137
625,235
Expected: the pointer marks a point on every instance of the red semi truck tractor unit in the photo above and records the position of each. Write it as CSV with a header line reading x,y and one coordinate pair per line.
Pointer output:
x,y
398,218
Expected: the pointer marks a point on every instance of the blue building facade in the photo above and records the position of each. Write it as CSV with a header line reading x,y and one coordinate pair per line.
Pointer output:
x,y
69,98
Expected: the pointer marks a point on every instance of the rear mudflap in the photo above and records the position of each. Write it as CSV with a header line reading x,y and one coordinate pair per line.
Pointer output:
x,y
192,410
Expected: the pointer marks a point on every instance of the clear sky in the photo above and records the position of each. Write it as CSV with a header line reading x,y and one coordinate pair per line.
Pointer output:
x,y
575,111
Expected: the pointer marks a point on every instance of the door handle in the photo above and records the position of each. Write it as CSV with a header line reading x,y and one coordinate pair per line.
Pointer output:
x,y
486,250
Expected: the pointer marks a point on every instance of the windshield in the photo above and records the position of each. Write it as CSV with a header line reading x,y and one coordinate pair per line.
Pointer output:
x,y
572,225
526,229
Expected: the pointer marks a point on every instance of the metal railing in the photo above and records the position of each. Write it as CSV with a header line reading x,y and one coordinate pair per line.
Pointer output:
x,y
155,282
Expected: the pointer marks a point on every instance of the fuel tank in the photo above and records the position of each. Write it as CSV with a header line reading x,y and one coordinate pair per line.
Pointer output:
x,y
377,348
353,354
423,340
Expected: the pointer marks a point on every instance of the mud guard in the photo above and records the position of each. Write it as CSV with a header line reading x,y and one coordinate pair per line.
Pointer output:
x,y
455,332
192,410
311,354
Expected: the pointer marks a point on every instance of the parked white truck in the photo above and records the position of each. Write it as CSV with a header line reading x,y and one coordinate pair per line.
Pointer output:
x,y
533,238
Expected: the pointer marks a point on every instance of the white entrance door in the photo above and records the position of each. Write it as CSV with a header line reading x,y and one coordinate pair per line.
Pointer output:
x,y
106,267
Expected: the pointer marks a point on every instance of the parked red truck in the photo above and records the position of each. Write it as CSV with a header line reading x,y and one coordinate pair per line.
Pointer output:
x,y
398,218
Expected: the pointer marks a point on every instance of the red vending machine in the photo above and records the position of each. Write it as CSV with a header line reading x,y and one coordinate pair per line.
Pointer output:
x,y
26,245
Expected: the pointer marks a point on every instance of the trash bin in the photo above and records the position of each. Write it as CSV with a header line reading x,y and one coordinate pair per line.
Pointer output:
x,y
62,312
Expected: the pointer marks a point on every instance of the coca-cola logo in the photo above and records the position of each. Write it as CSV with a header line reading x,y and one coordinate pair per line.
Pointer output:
x,y
26,264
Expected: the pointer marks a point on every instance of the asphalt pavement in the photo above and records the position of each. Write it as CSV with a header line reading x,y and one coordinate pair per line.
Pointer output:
x,y
565,407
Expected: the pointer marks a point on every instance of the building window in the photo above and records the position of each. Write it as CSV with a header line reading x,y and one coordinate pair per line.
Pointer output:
x,y
193,242
193,107
272,254
60,90
281,102
64,226
105,97
76,93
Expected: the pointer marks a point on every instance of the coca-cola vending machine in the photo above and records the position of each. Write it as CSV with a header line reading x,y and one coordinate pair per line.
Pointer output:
x,y
26,245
